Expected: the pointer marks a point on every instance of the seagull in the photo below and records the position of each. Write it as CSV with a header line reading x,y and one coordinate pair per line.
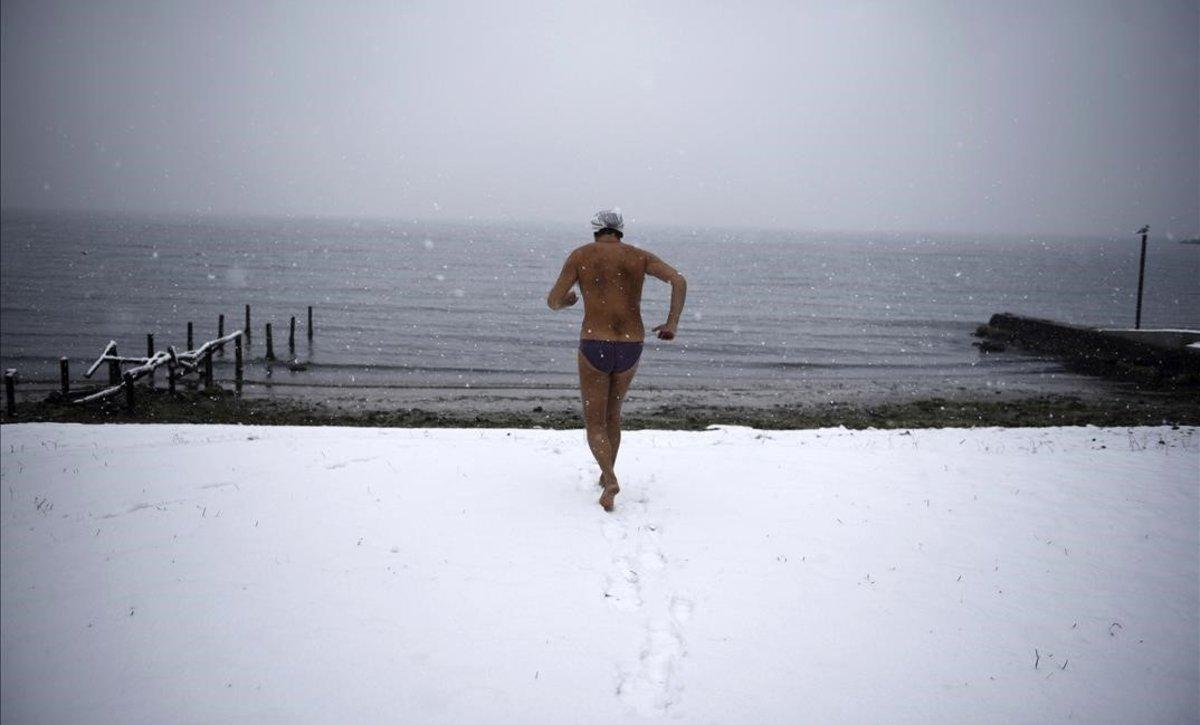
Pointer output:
x,y
1144,230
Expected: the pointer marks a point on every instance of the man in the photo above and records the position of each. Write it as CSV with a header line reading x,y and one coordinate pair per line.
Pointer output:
x,y
610,275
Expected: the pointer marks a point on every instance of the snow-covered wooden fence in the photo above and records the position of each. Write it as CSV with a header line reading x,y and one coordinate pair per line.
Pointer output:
x,y
178,364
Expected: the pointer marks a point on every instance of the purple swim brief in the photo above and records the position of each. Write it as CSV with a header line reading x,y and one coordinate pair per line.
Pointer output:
x,y
610,356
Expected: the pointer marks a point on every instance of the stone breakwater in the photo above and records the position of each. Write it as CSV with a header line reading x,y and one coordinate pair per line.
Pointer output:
x,y
1155,358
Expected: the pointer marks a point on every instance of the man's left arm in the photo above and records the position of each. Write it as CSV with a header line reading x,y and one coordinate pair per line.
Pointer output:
x,y
655,267
561,295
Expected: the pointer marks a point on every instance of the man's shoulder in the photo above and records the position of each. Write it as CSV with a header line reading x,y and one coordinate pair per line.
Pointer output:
x,y
593,249
582,250
643,254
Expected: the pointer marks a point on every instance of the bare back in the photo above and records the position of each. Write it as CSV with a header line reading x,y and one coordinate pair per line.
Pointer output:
x,y
611,275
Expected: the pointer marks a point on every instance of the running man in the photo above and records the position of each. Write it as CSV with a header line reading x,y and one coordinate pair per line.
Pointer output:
x,y
610,275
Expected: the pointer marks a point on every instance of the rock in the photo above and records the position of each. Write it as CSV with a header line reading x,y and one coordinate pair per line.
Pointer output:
x,y
989,346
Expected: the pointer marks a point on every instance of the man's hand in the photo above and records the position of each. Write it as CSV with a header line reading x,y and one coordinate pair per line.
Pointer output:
x,y
665,332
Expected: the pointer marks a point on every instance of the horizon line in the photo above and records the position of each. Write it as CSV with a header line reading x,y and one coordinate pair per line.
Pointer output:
x,y
200,215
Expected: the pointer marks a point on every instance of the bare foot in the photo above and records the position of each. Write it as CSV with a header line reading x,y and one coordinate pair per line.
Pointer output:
x,y
611,489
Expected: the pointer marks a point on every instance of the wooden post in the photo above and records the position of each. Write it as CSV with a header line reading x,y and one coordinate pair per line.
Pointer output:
x,y
310,327
207,369
1137,325
237,362
270,344
10,391
246,327
292,337
190,347
171,378
114,368
128,383
64,373
150,353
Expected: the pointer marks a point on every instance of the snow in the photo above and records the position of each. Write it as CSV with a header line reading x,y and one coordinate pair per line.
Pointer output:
x,y
242,574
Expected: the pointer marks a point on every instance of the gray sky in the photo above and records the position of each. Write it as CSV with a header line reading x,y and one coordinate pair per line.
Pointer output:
x,y
1021,117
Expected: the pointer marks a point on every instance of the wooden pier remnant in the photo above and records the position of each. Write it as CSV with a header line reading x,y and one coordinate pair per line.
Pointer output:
x,y
10,391
129,395
292,337
310,323
109,349
190,346
114,366
237,363
64,374
221,330
270,344
177,364
150,354
246,327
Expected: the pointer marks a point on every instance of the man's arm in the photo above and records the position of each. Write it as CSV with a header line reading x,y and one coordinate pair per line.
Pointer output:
x,y
561,295
655,267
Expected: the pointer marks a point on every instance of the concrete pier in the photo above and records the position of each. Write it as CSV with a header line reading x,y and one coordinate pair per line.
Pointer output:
x,y
1154,357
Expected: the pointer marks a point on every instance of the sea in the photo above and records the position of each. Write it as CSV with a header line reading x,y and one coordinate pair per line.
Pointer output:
x,y
419,303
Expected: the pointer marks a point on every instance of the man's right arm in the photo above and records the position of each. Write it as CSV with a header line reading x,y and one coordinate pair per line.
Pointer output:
x,y
659,269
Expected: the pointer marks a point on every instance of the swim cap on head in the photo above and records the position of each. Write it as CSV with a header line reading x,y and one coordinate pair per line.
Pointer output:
x,y
608,219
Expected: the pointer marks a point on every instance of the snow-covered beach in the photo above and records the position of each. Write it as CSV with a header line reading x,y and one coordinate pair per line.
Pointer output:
x,y
176,573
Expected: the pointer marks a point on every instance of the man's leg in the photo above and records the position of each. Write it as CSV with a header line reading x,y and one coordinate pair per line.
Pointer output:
x,y
618,386
594,388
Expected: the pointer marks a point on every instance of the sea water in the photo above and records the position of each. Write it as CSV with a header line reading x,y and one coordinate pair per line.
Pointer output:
x,y
420,303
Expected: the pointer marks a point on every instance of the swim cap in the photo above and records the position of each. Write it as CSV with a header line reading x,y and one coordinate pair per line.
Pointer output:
x,y
608,219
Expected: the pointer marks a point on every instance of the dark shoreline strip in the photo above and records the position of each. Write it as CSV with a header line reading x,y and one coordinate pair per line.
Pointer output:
x,y
220,406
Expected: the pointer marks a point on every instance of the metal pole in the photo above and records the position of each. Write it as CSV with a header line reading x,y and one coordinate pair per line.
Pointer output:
x,y
1137,325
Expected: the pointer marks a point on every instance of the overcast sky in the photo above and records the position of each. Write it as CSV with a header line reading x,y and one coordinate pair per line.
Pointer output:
x,y
993,117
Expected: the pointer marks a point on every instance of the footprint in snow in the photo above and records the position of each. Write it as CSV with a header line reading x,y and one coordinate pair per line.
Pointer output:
x,y
623,588
681,609
654,685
